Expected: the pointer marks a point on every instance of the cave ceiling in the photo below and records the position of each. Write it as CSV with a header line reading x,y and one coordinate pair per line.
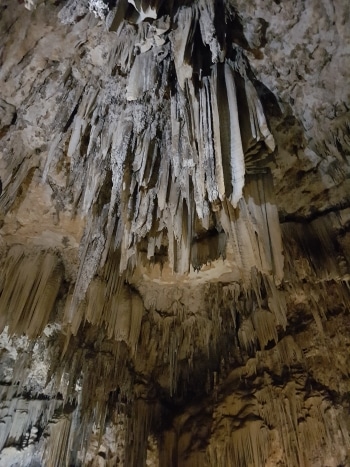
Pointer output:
x,y
174,233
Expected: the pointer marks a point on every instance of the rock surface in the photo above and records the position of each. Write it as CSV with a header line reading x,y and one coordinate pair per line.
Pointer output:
x,y
174,237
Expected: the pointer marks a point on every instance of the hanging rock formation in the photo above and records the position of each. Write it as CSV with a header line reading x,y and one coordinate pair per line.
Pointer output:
x,y
175,250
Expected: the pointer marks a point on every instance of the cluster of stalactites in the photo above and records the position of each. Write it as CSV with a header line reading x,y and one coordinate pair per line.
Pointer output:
x,y
167,149
159,151
29,290
157,160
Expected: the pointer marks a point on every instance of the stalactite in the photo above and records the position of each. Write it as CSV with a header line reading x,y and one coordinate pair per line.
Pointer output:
x,y
196,145
58,451
138,435
19,415
30,287
243,446
265,327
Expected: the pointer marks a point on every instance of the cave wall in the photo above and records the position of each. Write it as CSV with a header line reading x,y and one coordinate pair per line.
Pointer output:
x,y
174,233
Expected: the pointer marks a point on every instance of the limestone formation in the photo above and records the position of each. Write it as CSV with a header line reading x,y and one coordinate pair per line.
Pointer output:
x,y
174,233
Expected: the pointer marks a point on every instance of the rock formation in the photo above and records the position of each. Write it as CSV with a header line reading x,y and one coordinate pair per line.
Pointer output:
x,y
175,247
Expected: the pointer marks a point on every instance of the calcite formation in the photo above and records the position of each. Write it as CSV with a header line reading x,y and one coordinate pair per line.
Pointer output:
x,y
175,247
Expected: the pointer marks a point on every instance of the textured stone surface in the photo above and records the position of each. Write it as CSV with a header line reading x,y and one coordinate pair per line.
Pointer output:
x,y
174,233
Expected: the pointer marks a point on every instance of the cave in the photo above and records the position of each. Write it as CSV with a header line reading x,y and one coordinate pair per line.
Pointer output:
x,y
174,233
